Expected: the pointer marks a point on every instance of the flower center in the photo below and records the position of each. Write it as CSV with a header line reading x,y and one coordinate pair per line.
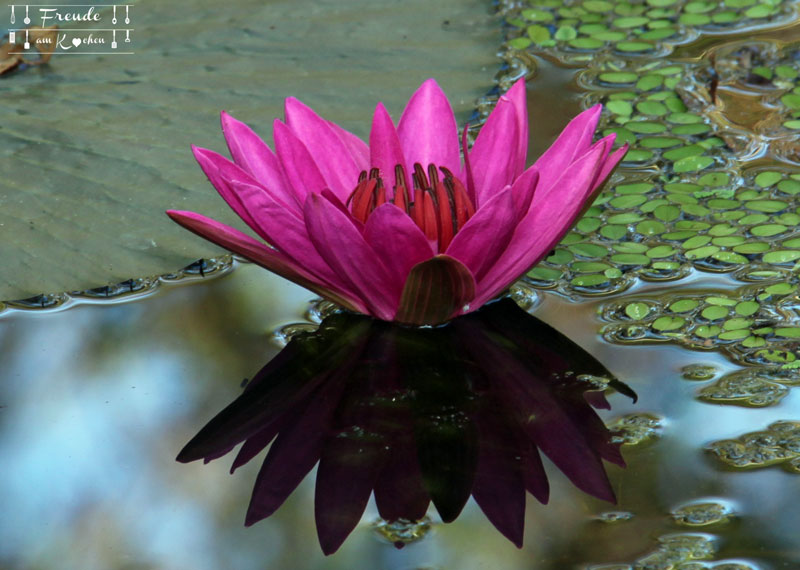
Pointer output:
x,y
439,207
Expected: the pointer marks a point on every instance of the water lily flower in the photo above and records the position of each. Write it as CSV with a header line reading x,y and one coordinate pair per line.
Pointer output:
x,y
403,229
414,415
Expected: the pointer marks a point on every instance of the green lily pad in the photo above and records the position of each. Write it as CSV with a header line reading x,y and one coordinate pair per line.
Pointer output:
x,y
613,232
701,252
588,250
545,274
660,142
589,280
637,311
771,206
668,323
630,259
768,178
651,108
735,334
747,308
617,77
684,306
589,266
650,227
768,230
692,163
636,188
660,251
707,331
539,34
714,313
788,332
737,323
729,257
645,127
781,256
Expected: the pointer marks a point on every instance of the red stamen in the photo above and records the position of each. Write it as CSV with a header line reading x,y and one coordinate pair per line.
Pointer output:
x,y
446,220
379,195
363,199
419,210
440,208
400,198
429,225
463,209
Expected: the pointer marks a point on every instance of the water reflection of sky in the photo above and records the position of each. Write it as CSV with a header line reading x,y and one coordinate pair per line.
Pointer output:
x,y
95,397
98,400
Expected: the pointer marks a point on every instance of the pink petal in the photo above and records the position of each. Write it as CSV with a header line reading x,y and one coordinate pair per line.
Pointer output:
x,y
358,148
535,476
397,240
486,234
277,262
348,468
341,245
518,97
499,487
294,452
301,170
435,291
225,176
384,147
428,130
493,158
331,155
466,171
334,199
271,220
524,188
610,164
211,162
399,489
256,158
552,213
573,141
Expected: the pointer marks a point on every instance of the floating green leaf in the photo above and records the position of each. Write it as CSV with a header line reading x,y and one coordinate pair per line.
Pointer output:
x,y
692,163
666,323
637,311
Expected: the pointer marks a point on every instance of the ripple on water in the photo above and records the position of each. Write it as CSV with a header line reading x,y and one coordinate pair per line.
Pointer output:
x,y
778,444
698,372
402,532
615,516
702,513
636,428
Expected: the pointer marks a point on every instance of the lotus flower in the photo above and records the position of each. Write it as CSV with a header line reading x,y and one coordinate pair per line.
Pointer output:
x,y
419,415
402,229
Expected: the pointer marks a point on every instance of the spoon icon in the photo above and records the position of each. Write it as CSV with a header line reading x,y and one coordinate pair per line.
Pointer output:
x,y
13,19
127,20
114,19
27,20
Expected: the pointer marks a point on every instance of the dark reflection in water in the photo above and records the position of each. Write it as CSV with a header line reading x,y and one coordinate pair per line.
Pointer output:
x,y
420,415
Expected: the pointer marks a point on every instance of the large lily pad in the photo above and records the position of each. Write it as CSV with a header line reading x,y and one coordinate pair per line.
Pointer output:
x,y
94,148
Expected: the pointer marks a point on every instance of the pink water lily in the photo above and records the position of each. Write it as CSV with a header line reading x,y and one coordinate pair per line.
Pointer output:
x,y
402,229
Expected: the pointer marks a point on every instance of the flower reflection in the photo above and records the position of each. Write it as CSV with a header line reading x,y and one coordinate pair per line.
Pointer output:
x,y
419,415
403,229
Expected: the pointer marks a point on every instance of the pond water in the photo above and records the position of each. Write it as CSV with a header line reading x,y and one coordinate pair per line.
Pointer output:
x,y
681,280
99,398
